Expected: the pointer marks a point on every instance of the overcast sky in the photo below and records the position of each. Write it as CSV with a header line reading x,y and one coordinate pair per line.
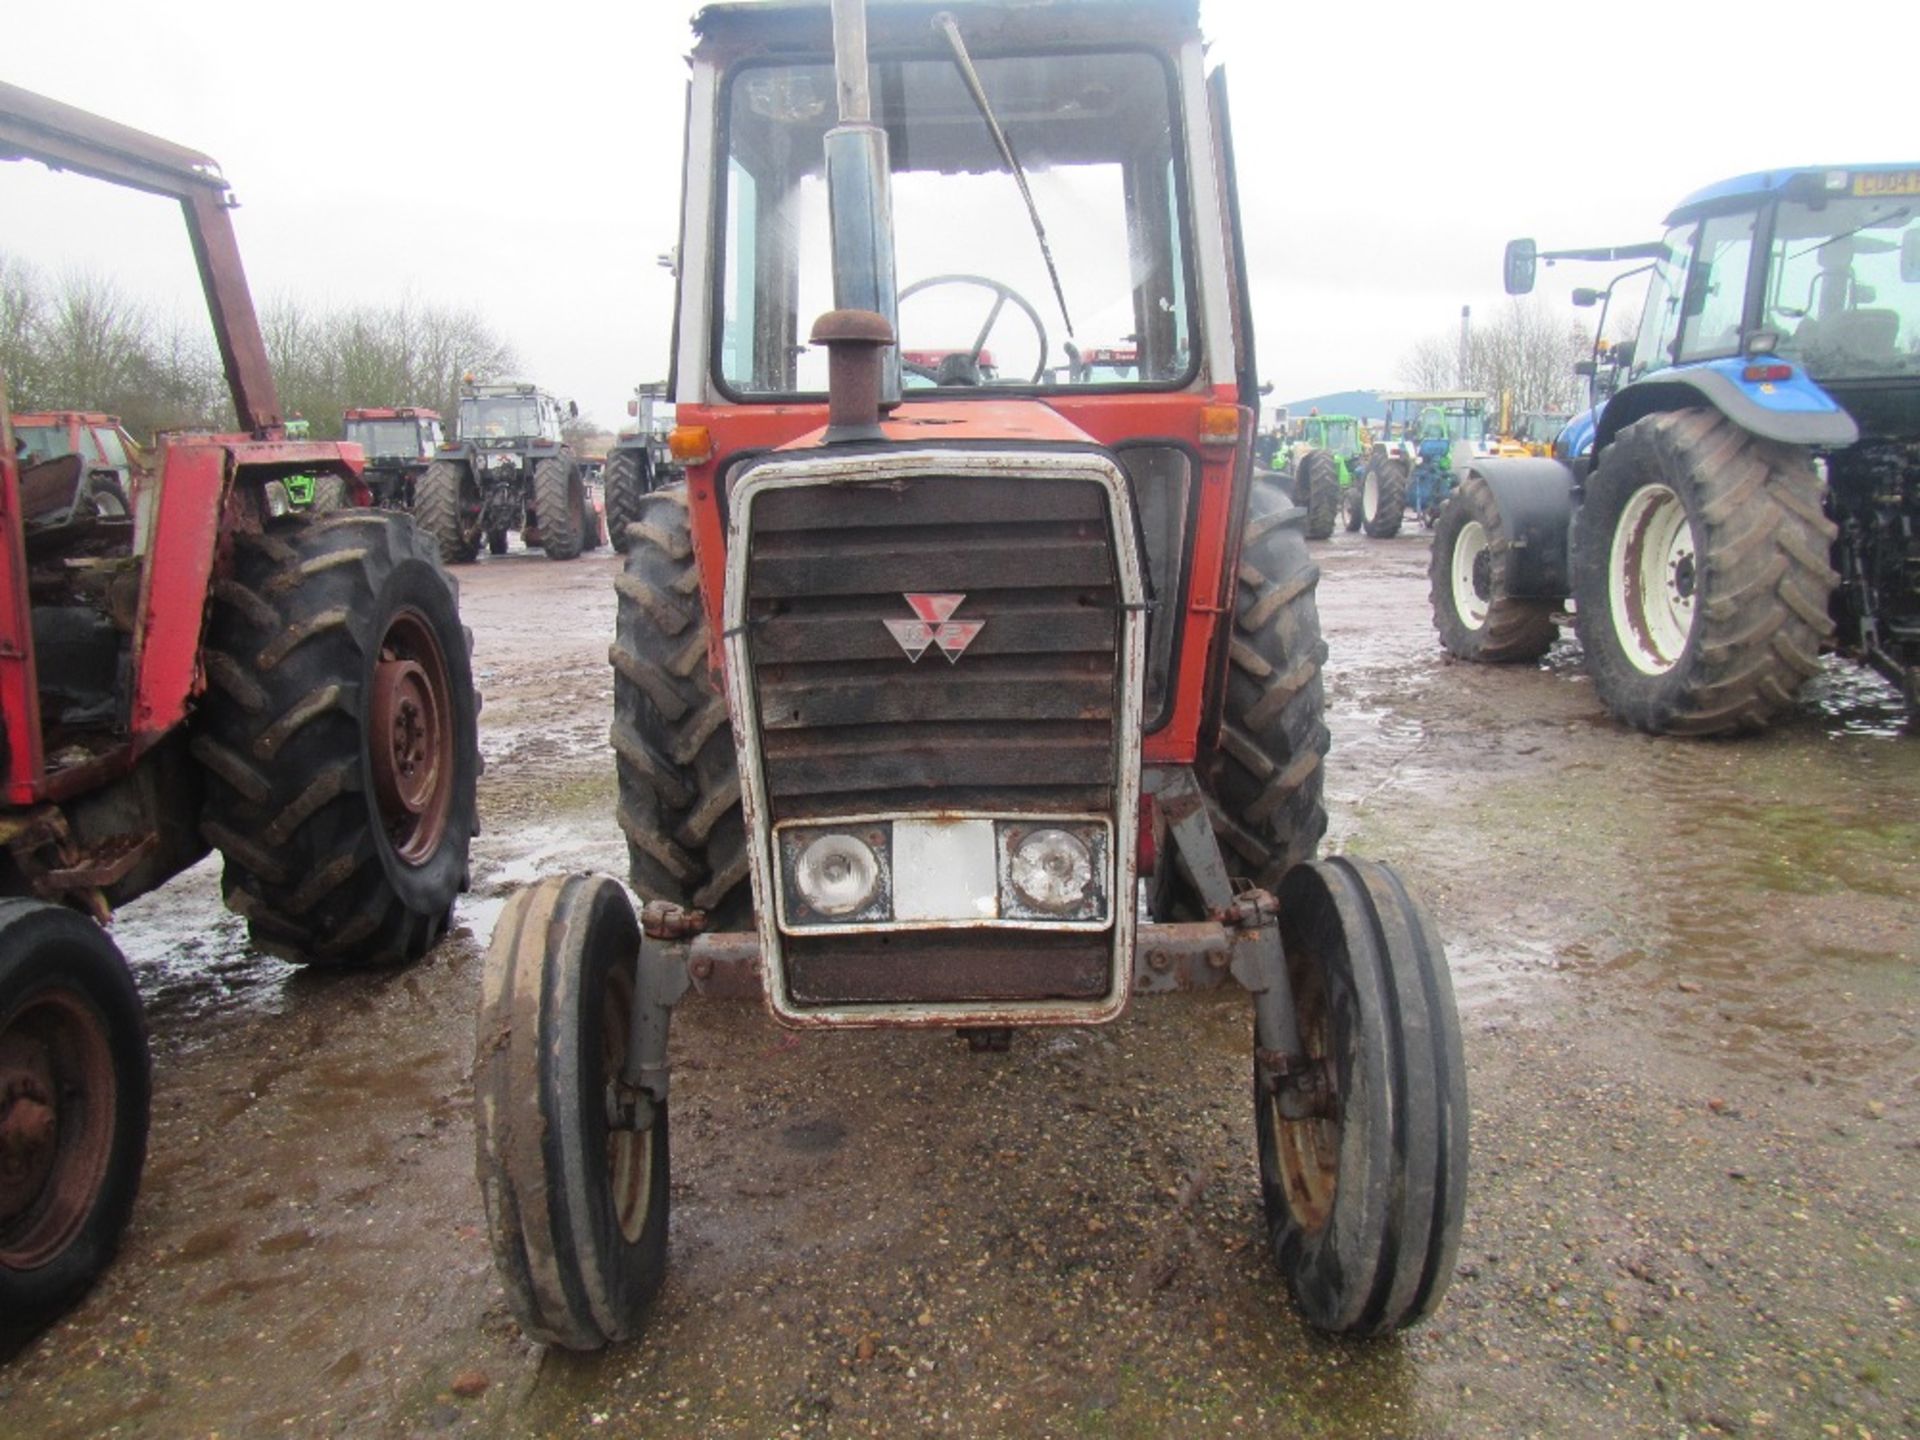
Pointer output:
x,y
525,160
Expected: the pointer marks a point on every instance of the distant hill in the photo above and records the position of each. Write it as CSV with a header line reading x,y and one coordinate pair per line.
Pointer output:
x,y
1363,403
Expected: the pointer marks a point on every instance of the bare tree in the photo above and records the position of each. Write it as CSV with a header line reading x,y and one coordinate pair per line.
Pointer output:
x,y
82,343
1526,354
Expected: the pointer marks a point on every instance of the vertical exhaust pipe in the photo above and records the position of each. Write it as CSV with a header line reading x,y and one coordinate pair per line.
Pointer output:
x,y
860,217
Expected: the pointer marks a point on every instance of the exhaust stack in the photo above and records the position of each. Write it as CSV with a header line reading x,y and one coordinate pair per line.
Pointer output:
x,y
860,216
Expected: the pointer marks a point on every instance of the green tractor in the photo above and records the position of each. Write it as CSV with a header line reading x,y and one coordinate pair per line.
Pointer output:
x,y
1327,453
317,493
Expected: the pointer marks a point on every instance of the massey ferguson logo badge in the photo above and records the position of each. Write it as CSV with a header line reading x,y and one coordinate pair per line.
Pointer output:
x,y
935,626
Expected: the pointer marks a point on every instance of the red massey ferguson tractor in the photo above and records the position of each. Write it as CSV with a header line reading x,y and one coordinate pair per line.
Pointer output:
x,y
199,670
987,702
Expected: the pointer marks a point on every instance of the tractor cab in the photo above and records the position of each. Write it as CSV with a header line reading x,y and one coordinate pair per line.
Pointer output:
x,y
496,416
405,434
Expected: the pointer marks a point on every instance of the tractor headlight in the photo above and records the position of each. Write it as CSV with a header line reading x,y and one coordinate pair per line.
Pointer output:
x,y
1052,870
837,874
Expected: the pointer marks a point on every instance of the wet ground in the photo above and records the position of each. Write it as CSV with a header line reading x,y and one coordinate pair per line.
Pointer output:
x,y
1690,982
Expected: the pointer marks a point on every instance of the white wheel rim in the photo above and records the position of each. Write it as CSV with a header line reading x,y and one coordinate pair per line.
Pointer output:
x,y
1370,497
1652,579
1470,599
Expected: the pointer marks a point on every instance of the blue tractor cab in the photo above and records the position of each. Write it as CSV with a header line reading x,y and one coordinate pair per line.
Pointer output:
x,y
1744,491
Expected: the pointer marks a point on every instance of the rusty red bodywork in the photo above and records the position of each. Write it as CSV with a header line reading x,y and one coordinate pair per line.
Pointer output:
x,y
205,486
1103,419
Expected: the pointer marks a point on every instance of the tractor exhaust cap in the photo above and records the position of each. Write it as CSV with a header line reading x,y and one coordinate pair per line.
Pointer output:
x,y
858,343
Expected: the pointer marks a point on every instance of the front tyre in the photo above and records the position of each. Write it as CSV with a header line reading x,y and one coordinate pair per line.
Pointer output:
x,y
1383,497
624,487
1701,573
339,740
75,1090
1468,576
577,1204
1363,1151
559,505
1317,490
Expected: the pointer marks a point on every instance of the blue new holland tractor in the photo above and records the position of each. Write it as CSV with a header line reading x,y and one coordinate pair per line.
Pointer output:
x,y
1745,494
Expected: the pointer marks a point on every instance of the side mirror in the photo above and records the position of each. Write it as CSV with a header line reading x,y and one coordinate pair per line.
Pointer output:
x,y
1910,256
1586,298
1523,256
1583,367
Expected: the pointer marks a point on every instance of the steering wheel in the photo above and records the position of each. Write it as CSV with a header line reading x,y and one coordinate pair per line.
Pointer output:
x,y
1001,295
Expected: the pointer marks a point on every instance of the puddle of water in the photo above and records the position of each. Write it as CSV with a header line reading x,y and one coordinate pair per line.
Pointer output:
x,y
1853,700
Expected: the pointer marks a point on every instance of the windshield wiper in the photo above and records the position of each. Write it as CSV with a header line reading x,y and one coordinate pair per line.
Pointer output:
x,y
947,26
1900,214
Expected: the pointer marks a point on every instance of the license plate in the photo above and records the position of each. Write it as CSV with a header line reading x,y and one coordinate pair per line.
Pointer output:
x,y
1887,182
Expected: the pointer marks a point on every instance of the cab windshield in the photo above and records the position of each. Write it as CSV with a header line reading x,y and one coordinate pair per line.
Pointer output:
x,y
43,442
386,437
1096,136
1341,438
494,417
1838,294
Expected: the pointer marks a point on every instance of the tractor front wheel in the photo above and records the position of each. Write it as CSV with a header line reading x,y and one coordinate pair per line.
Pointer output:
x,y
1467,579
559,503
1383,497
1702,575
1363,1147
339,740
447,505
1317,491
75,1088
624,487
577,1201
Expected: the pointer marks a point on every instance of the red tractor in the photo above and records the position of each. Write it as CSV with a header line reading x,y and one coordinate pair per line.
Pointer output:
x,y
985,709
199,670
399,443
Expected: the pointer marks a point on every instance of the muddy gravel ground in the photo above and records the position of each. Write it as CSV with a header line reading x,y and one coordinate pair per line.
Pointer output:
x,y
1687,974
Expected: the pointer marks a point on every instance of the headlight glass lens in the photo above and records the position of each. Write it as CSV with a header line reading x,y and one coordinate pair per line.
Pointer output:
x,y
836,874
1052,870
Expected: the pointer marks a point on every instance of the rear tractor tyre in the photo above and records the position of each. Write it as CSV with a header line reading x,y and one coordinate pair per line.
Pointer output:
x,y
1351,502
1365,1184
339,740
1467,578
1265,781
1702,575
496,542
1383,497
559,503
1318,492
75,1091
330,493
576,1205
623,491
672,742
446,504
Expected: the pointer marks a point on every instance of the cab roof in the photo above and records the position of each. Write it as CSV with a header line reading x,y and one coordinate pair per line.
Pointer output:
x,y
737,27
1765,184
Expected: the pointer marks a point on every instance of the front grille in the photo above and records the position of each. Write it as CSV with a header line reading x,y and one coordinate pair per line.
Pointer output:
x,y
1024,720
